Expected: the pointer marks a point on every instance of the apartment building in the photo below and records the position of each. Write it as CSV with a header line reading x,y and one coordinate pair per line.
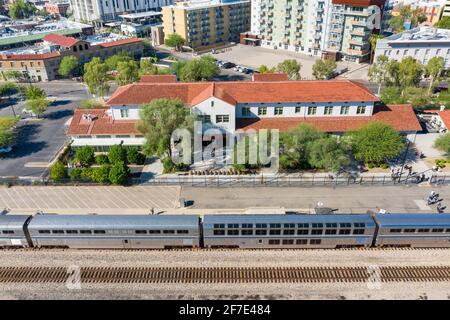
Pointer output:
x,y
422,43
334,106
101,11
41,62
446,9
207,23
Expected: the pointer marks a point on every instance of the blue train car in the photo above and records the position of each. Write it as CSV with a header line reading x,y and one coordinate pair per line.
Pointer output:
x,y
271,231
13,231
413,230
115,231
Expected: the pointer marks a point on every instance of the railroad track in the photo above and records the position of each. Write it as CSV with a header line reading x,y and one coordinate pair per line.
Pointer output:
x,y
99,275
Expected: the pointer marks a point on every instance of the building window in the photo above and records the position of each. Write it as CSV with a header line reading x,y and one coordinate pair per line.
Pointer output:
x,y
328,110
262,111
298,109
222,118
124,113
278,111
344,110
361,110
206,118
312,111
246,112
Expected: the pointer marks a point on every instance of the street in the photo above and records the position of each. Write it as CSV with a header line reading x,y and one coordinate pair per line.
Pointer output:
x,y
38,140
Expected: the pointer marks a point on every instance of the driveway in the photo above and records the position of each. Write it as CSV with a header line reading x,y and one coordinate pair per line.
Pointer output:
x,y
38,140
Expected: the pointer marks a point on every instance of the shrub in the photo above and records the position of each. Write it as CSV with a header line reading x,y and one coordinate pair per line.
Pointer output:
x,y
134,156
85,156
86,174
101,175
101,159
75,174
91,104
58,171
384,166
117,154
370,165
168,165
119,172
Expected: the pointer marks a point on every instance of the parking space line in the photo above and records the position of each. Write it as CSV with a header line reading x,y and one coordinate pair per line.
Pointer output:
x,y
135,197
115,197
72,197
11,199
24,191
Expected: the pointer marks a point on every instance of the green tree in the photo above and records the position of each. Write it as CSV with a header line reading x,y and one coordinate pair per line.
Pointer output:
x,y
392,95
6,130
85,156
443,143
75,174
174,41
6,138
159,119
34,92
264,69
148,68
328,153
373,39
195,70
379,71
417,97
58,171
324,69
294,146
101,159
117,153
20,9
410,72
7,90
101,174
434,70
376,143
396,23
128,72
134,156
38,106
95,77
118,174
8,123
12,75
444,23
393,77
113,62
291,67
68,66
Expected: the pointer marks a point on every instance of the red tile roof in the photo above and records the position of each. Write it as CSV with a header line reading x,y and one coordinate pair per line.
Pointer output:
x,y
363,3
42,56
445,117
160,78
101,123
401,117
119,42
245,92
270,77
58,39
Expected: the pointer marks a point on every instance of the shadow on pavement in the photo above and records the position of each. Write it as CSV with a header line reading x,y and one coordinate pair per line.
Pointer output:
x,y
58,114
24,146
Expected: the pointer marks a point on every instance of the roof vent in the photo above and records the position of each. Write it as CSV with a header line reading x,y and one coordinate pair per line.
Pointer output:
x,y
88,117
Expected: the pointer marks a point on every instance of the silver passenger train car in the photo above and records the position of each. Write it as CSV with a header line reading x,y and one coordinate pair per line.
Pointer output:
x,y
13,232
413,230
273,231
115,231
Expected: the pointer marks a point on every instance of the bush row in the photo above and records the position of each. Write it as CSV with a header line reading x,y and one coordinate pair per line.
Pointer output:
x,y
85,156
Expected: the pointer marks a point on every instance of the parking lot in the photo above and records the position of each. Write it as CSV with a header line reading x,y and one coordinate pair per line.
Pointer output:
x,y
38,140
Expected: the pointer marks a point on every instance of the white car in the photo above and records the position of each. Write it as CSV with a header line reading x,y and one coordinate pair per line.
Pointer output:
x,y
5,149
236,68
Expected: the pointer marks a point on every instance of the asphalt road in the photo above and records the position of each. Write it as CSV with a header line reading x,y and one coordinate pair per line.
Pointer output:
x,y
38,140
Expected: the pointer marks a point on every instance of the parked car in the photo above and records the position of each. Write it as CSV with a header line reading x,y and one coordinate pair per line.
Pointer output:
x,y
228,65
5,149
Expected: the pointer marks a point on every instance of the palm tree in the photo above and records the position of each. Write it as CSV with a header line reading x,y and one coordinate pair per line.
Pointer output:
x,y
373,44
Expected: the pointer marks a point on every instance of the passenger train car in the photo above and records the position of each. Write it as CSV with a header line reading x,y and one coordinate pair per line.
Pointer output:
x,y
13,231
288,231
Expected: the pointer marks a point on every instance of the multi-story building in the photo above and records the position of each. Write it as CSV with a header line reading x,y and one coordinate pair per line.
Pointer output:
x,y
422,43
333,106
446,9
57,7
101,11
41,62
353,21
207,23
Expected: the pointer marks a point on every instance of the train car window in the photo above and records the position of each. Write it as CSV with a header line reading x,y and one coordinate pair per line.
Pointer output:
x,y
303,225
275,225
409,230
261,232
182,231
303,231
274,232
247,232
274,241
44,231
301,241
423,230
345,231
359,225
219,226
72,231
99,231
358,231
448,230
289,231
315,241
154,231
317,225
219,232
437,230
395,230
247,226
289,225
58,231
140,231
288,241
330,231
168,231
233,225
261,225
85,231
316,231
8,231
331,225
233,232
345,225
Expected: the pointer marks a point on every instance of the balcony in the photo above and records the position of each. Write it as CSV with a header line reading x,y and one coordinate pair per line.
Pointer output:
x,y
362,23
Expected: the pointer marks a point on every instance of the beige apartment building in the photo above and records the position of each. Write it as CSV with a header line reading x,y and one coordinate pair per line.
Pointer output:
x,y
207,23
